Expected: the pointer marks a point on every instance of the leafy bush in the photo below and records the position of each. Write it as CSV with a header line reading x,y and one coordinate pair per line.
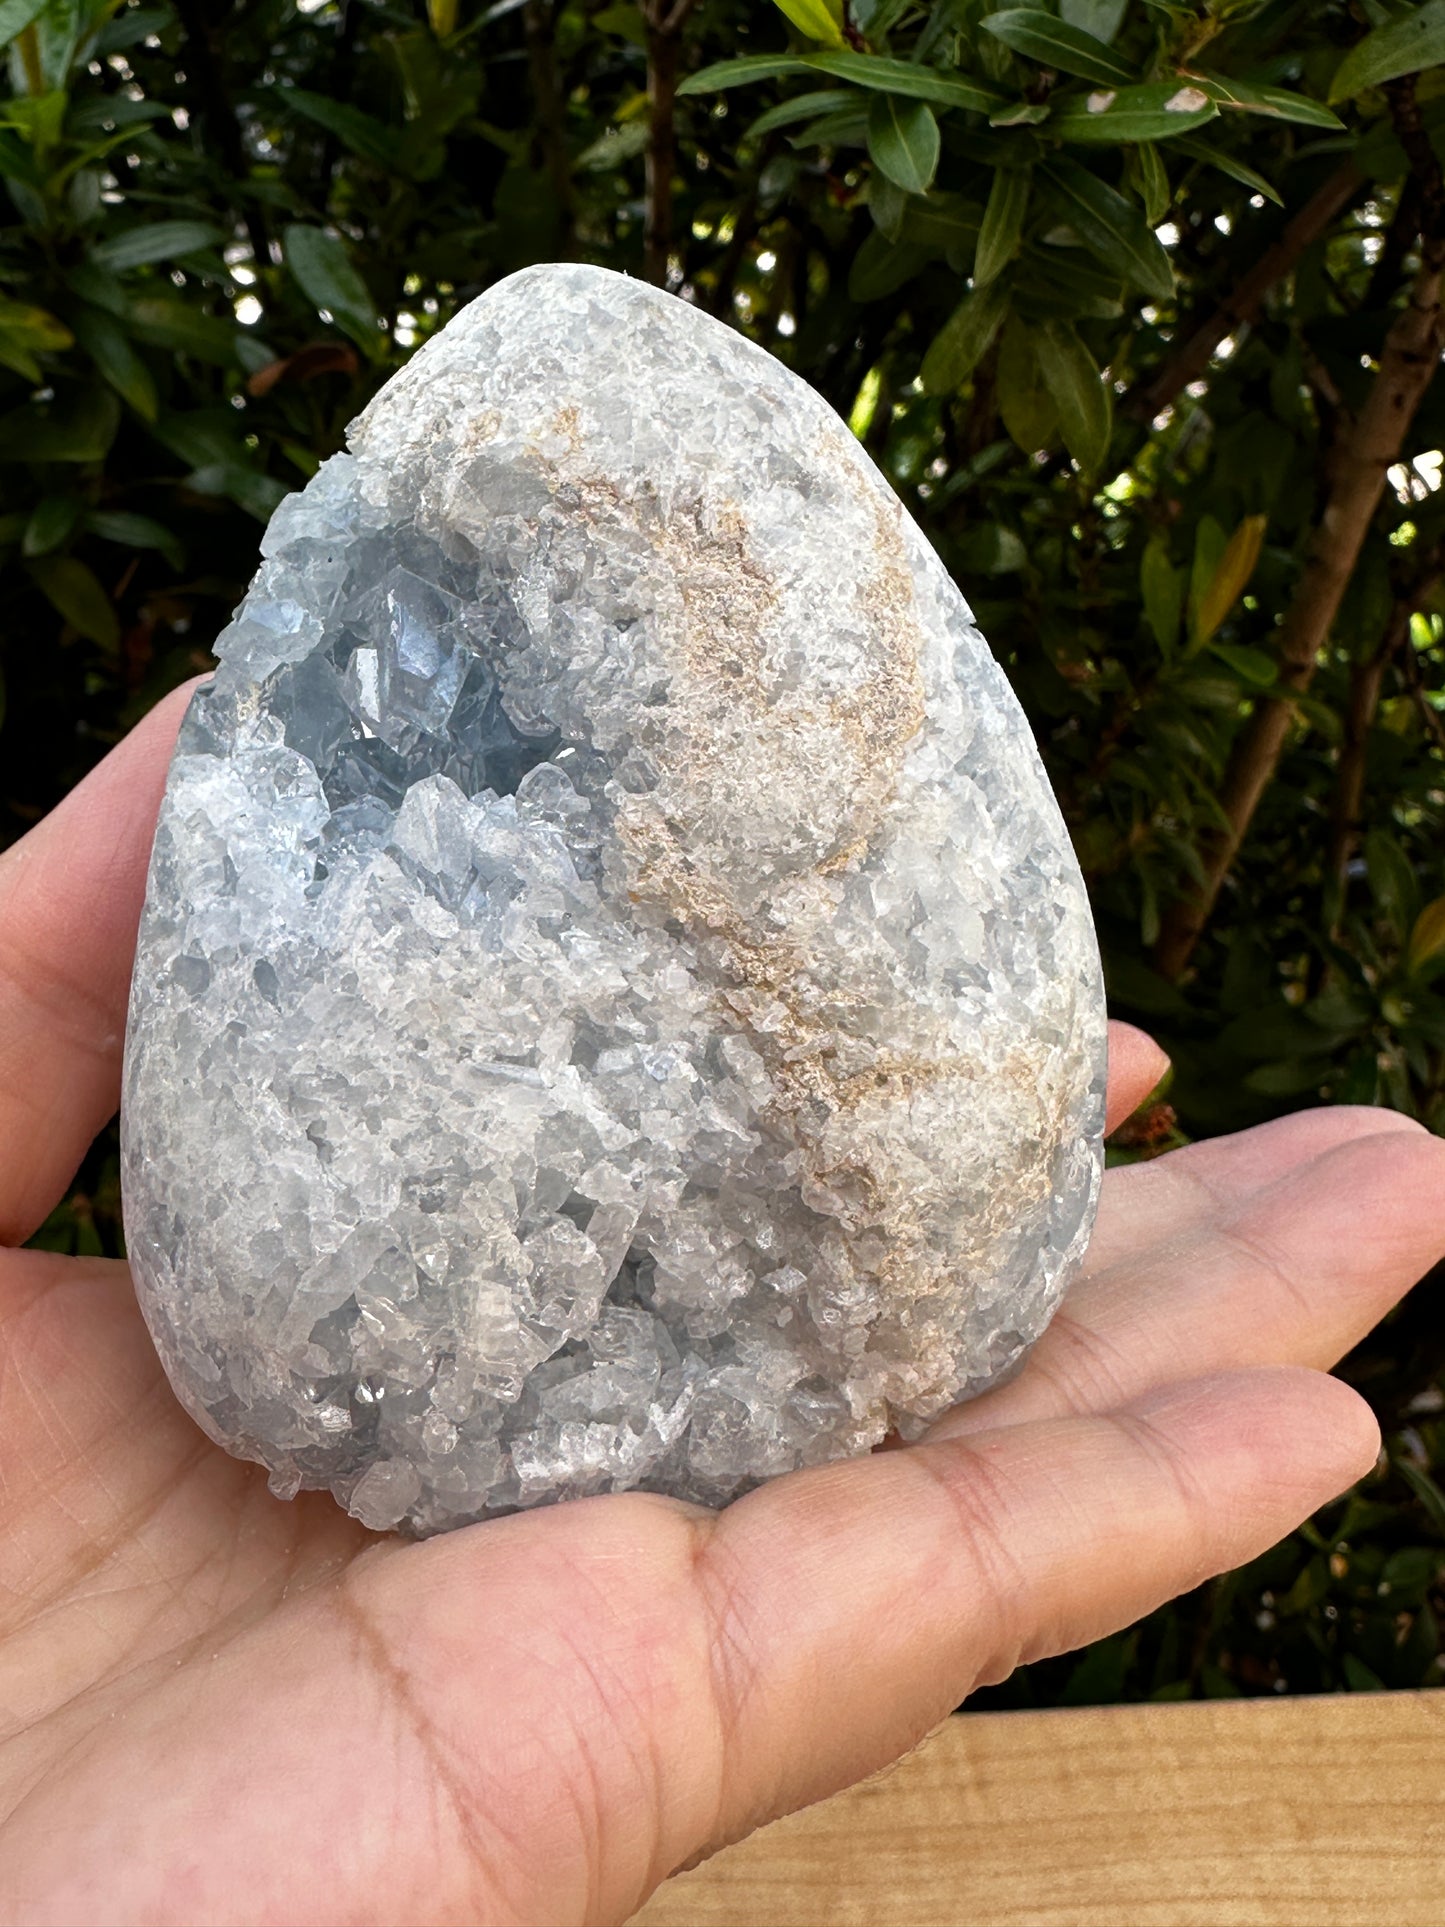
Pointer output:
x,y
1136,303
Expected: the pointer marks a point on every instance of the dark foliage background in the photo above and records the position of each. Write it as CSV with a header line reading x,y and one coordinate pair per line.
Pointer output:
x,y
1136,303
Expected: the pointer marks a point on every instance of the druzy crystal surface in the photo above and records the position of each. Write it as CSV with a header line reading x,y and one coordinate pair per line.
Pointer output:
x,y
615,1004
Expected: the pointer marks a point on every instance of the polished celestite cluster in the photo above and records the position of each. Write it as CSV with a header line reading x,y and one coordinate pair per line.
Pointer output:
x,y
615,1004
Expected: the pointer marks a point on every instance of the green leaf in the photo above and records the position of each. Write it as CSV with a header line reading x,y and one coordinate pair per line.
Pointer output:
x,y
1210,542
841,127
133,26
1273,1032
625,22
1065,284
1427,937
1412,1572
322,270
369,139
1392,880
71,588
301,458
903,140
943,221
155,241
51,524
1161,585
1080,393
1227,580
1237,170
1156,112
105,118
58,30
1024,401
26,332
99,287
1359,1678
964,338
1274,103
887,204
39,117
613,148
821,100
991,549
1112,229
904,77
104,340
1253,666
77,426
846,126
742,72
1152,180
1134,985
135,532
1020,113
164,321
1052,42
1003,223
1425,1490
257,494
1399,47
20,169
1098,1678
201,437
1289,1079
881,267
1101,18
16,16
818,19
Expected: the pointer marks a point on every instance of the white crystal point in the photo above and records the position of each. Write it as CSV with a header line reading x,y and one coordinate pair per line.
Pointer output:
x,y
615,1004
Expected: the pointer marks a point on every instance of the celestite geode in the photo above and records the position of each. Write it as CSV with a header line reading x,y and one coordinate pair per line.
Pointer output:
x,y
615,1004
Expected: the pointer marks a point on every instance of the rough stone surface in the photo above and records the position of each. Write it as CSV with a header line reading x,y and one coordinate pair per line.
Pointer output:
x,y
615,1004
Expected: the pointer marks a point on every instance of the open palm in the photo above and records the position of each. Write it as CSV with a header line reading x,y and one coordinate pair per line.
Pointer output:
x,y
218,1707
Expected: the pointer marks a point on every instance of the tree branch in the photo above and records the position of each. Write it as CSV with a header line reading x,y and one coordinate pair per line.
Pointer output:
x,y
664,25
343,61
1425,172
538,22
1399,238
1190,360
719,298
198,25
1369,446
1366,681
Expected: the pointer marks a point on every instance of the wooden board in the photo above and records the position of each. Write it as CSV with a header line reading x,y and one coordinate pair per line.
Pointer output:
x,y
1240,1813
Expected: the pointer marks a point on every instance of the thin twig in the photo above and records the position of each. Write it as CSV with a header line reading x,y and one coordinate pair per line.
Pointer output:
x,y
1199,344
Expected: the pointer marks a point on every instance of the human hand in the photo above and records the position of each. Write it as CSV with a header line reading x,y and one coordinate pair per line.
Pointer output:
x,y
218,1707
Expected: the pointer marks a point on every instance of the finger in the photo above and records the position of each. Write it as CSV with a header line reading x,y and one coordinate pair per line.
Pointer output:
x,y
1136,1065
857,1604
1294,1274
70,900
1163,1197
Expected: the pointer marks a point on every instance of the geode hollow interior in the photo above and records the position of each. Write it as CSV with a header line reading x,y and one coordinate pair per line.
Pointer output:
x,y
615,1004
